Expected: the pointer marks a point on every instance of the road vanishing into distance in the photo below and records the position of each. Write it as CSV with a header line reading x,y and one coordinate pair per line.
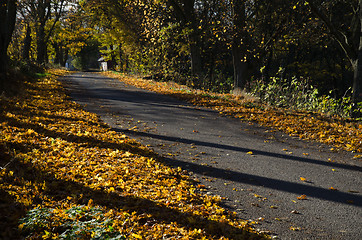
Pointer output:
x,y
280,182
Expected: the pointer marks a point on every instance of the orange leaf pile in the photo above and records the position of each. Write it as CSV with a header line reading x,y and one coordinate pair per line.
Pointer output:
x,y
54,155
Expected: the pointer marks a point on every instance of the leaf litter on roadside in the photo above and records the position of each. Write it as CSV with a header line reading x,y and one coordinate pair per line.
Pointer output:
x,y
75,177
333,131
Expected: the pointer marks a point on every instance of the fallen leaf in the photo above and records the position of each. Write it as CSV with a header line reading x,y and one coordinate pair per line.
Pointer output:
x,y
303,179
295,228
353,191
137,236
302,197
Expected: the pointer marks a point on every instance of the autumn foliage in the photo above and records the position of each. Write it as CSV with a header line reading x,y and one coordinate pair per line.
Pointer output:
x,y
64,174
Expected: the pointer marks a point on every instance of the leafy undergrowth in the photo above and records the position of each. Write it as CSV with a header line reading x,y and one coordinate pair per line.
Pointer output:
x,y
66,175
337,132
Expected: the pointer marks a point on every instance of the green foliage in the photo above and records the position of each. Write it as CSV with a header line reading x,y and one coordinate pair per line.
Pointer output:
x,y
37,218
298,94
220,82
42,75
79,62
79,222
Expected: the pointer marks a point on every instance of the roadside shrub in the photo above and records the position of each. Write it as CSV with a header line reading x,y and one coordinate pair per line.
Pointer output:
x,y
298,94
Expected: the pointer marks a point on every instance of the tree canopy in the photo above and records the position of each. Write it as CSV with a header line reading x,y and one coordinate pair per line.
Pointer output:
x,y
214,45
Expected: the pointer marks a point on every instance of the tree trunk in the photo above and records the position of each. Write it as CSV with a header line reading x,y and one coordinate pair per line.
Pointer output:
x,y
61,56
266,70
239,45
41,45
7,24
27,44
240,68
194,38
196,58
65,55
3,59
43,15
357,78
57,53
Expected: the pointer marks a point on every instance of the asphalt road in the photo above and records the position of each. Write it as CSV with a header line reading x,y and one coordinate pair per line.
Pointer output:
x,y
263,186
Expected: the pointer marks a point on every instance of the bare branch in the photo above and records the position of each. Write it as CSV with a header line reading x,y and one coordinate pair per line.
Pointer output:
x,y
338,35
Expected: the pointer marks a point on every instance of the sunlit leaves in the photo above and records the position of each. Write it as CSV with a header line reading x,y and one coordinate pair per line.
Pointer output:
x,y
74,173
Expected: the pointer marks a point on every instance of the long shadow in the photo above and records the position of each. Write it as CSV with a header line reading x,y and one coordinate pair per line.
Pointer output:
x,y
136,96
49,117
279,185
59,189
151,98
312,191
132,147
276,184
239,149
213,172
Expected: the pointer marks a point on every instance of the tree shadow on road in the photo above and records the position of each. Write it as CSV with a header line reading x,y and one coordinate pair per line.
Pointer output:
x,y
280,185
240,149
275,184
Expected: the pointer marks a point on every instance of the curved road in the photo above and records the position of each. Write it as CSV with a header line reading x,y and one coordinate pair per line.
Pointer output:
x,y
257,170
